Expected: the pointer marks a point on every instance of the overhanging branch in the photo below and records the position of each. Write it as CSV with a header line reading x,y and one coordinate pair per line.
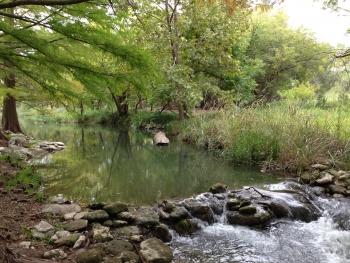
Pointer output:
x,y
40,2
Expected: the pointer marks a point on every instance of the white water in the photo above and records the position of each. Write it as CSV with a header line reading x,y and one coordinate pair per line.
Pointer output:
x,y
320,241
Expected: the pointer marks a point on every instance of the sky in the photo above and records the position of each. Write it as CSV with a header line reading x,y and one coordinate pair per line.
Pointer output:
x,y
328,26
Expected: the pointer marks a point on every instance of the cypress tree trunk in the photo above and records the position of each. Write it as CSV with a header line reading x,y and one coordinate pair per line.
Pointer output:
x,y
9,112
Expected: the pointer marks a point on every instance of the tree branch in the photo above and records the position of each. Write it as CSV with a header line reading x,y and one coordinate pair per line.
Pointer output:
x,y
40,2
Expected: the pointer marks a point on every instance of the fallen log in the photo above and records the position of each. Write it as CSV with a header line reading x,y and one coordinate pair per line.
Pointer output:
x,y
160,139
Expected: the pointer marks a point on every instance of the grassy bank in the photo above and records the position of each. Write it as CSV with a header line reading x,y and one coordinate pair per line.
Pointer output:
x,y
283,136
280,136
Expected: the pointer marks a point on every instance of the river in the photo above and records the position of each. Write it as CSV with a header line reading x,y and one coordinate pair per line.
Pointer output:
x,y
109,164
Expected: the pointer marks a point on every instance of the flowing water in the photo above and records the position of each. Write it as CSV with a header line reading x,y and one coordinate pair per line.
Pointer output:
x,y
107,164
326,240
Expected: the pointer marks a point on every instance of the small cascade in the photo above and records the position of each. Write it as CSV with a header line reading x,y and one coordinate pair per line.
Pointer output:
x,y
312,229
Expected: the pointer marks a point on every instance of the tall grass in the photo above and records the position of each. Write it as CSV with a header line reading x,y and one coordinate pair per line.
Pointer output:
x,y
281,136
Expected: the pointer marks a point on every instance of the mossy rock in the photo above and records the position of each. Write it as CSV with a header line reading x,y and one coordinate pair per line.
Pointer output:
x,y
248,210
245,202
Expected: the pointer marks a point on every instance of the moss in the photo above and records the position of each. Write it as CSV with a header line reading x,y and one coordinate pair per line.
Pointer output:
x,y
185,226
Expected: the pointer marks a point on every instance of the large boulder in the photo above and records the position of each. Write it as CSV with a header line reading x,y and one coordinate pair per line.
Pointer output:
x,y
153,250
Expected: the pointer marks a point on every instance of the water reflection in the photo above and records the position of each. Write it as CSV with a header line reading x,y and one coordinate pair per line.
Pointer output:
x,y
110,164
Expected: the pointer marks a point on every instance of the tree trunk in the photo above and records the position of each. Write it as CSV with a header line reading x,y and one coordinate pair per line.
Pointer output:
x,y
9,115
9,112
121,104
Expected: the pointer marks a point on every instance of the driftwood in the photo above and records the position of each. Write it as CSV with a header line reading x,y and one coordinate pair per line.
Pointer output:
x,y
160,139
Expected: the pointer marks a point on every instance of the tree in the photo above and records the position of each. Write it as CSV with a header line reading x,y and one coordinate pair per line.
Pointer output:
x,y
288,56
50,42
193,42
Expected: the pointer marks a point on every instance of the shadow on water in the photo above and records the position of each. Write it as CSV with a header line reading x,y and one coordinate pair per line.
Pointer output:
x,y
110,164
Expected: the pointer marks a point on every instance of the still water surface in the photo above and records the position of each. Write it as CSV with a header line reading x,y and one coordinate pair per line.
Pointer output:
x,y
109,164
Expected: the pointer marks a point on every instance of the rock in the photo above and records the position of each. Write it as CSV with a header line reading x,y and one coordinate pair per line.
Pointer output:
x,y
97,206
305,178
129,256
114,209
81,240
69,216
25,244
169,207
113,260
137,238
115,247
333,172
160,139
80,215
55,254
341,181
119,223
108,223
319,166
97,216
232,202
19,140
319,190
325,179
59,234
179,213
153,250
245,202
335,189
34,152
61,209
94,255
338,196
126,216
43,229
146,216
248,210
127,231
200,210
162,232
76,225
261,217
100,233
68,241
218,188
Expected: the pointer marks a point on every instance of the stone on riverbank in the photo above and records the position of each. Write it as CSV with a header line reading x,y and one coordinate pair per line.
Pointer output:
x,y
115,247
114,209
153,250
94,255
97,216
76,225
